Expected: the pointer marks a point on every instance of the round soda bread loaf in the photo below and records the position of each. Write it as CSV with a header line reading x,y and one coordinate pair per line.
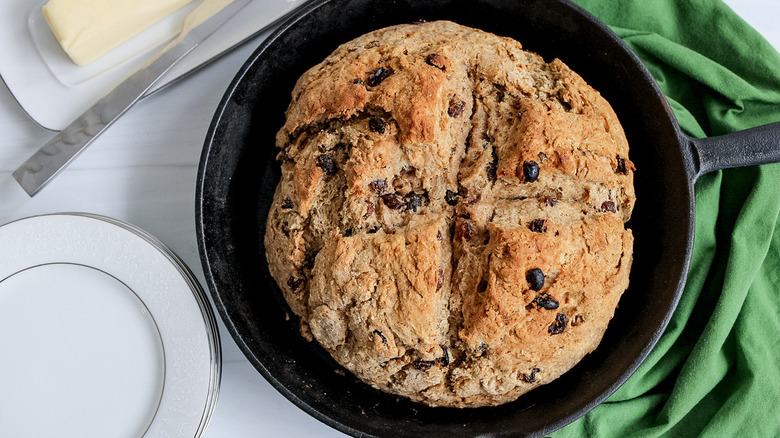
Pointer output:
x,y
449,223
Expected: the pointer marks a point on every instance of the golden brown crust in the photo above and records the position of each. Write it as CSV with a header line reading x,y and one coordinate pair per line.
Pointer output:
x,y
428,171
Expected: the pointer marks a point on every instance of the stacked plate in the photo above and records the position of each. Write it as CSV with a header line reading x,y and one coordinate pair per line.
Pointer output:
x,y
103,332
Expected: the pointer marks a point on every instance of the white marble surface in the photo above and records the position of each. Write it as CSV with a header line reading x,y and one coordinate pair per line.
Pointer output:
x,y
143,171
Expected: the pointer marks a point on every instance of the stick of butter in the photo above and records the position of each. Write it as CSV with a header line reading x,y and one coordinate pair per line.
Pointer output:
x,y
87,29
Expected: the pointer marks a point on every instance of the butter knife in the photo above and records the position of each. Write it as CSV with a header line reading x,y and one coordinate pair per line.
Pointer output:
x,y
53,156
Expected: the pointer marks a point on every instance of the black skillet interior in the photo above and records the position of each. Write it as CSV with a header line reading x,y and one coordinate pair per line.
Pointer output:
x,y
238,175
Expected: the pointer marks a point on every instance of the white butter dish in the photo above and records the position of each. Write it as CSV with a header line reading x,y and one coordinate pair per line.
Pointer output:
x,y
53,91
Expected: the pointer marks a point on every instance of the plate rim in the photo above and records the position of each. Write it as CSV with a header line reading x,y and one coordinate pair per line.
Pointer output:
x,y
205,313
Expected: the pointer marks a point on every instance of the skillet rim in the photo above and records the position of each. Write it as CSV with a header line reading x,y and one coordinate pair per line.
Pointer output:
x,y
686,158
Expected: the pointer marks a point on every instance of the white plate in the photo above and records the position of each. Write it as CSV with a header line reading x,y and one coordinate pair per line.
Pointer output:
x,y
103,332
53,91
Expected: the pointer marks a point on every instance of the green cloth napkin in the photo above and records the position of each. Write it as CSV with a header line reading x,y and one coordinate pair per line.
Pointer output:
x,y
716,370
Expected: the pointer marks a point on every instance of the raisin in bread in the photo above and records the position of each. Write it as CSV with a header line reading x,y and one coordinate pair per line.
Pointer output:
x,y
449,223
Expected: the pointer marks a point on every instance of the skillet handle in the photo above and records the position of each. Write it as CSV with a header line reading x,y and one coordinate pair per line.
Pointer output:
x,y
759,145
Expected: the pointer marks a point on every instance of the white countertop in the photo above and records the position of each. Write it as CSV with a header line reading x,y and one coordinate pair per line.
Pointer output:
x,y
143,171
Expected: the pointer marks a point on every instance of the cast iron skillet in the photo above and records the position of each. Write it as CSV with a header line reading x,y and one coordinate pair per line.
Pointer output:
x,y
238,174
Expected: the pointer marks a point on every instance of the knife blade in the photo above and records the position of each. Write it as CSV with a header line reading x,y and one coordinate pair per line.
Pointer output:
x,y
60,151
